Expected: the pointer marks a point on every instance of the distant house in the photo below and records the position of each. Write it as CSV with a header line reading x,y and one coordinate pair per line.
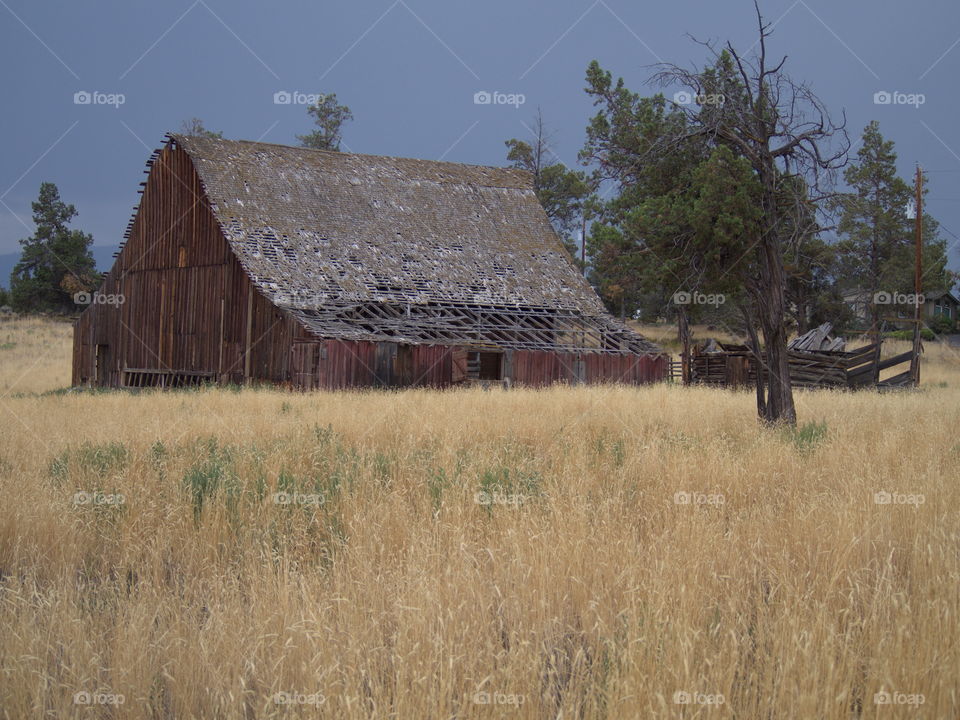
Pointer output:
x,y
941,304
935,304
859,301
255,262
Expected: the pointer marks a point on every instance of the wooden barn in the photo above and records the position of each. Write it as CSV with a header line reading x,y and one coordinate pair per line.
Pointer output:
x,y
249,262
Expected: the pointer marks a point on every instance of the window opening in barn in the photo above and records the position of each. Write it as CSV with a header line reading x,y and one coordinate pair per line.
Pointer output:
x,y
485,365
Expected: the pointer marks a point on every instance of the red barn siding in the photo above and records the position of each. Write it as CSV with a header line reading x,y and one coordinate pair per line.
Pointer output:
x,y
537,368
336,364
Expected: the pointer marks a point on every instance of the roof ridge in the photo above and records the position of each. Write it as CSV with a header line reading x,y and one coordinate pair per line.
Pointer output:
x,y
497,169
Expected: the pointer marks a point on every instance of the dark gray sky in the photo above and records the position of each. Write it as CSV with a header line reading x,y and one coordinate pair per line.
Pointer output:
x,y
409,70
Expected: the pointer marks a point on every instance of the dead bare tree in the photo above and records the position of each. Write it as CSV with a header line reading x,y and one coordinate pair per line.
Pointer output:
x,y
786,134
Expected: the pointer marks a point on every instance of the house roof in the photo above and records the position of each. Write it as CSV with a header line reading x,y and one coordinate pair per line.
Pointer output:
x,y
369,247
938,294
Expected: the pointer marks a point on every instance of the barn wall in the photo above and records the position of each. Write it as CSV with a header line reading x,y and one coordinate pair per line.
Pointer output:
x,y
188,305
337,364
537,368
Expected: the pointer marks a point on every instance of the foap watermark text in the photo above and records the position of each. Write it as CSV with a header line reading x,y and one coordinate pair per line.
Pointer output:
x,y
686,297
682,497
485,697
482,97
894,498
885,97
296,498
295,97
684,697
98,298
84,97
898,698
898,298
685,97
81,497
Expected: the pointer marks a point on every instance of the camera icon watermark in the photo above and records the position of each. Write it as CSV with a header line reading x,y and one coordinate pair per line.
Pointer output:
x,y
685,97
295,97
885,297
84,97
894,498
687,297
98,298
884,97
482,97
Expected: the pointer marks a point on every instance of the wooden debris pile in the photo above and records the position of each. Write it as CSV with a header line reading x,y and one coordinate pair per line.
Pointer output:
x,y
817,339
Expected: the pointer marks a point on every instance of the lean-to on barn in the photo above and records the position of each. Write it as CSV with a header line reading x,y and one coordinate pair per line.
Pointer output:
x,y
255,262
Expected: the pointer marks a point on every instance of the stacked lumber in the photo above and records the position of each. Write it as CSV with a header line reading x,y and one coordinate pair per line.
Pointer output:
x,y
817,369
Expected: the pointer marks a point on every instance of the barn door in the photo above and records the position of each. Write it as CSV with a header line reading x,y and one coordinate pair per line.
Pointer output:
x,y
403,365
303,364
383,364
459,363
579,370
102,374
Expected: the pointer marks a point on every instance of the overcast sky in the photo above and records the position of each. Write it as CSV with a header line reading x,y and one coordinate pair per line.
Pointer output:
x,y
410,70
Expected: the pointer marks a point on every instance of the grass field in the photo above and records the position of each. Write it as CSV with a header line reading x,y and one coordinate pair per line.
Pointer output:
x,y
603,552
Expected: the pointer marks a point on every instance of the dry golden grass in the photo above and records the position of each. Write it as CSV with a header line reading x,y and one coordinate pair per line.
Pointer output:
x,y
585,590
34,355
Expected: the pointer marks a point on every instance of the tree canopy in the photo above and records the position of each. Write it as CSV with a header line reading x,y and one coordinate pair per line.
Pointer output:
x,y
55,262
329,116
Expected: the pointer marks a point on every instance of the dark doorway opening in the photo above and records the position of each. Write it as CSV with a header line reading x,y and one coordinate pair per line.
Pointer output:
x,y
485,365
100,371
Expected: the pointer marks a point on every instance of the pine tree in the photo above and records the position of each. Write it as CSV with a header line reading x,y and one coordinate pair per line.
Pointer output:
x,y
876,250
55,262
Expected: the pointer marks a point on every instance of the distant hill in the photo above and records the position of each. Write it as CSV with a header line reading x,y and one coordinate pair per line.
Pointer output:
x,y
103,254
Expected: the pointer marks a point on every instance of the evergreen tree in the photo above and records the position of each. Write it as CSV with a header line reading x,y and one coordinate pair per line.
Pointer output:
x,y
876,252
55,262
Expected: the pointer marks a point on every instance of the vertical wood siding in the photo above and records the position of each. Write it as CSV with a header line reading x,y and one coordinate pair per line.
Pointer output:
x,y
185,294
536,368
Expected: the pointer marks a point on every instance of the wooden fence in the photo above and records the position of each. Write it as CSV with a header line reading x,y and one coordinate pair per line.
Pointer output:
x,y
735,366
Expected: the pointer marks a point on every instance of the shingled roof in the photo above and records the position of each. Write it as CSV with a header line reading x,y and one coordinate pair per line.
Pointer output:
x,y
371,247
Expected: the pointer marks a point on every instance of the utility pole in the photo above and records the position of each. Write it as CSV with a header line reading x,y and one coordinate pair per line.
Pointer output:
x,y
917,278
